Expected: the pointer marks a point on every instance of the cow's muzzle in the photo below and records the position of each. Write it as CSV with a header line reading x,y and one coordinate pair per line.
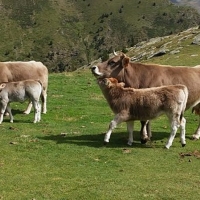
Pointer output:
x,y
95,71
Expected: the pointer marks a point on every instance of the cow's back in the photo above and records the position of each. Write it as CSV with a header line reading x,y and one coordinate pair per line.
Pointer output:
x,y
18,71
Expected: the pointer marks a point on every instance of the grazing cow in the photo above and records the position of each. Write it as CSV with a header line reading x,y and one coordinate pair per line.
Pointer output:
x,y
139,75
19,92
19,71
129,104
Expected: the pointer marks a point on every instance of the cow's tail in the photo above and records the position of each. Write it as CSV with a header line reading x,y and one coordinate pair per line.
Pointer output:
x,y
40,82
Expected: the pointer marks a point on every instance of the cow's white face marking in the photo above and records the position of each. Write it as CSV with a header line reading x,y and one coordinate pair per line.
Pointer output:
x,y
96,71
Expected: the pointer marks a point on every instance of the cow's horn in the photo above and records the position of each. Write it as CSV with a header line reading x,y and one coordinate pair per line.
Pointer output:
x,y
115,53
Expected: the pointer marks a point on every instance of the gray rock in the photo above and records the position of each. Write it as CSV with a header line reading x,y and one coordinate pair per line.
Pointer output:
x,y
196,40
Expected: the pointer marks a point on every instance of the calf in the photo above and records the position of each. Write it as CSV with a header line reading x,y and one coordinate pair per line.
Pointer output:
x,y
20,71
129,104
19,92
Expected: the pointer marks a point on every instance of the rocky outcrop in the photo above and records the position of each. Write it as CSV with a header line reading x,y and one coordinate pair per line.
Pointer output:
x,y
161,46
196,40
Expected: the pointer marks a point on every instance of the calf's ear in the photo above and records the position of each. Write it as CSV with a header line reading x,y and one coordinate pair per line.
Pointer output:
x,y
125,61
113,80
2,85
122,84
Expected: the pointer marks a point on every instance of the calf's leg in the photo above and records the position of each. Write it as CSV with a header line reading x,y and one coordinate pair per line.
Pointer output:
x,y
130,125
174,127
8,109
113,124
182,132
3,109
37,109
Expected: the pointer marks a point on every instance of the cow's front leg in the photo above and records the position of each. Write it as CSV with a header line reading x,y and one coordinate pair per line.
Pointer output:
x,y
196,135
28,109
145,132
130,125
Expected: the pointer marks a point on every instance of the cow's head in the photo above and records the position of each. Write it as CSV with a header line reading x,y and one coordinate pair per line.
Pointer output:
x,y
112,67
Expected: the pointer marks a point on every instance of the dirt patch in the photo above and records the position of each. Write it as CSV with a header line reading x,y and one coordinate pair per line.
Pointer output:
x,y
196,154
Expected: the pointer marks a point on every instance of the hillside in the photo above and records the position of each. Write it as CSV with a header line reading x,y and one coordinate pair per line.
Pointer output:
x,y
65,35
176,49
192,3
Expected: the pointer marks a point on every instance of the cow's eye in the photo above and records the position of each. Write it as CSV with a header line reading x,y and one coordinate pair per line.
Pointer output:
x,y
111,62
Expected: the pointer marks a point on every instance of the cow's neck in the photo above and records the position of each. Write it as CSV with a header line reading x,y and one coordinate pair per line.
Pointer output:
x,y
128,76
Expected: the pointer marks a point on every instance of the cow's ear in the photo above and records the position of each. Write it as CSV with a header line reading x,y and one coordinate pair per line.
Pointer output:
x,y
125,61
2,85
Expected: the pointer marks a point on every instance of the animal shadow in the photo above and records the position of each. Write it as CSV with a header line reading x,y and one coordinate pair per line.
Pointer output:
x,y
117,140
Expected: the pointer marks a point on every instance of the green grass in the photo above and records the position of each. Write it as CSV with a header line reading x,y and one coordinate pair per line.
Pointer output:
x,y
63,156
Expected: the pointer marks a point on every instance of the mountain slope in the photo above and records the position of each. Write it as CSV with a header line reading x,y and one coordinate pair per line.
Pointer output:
x,y
192,3
65,35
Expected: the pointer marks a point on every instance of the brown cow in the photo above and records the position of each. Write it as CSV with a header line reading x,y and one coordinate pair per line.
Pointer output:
x,y
19,71
129,104
139,75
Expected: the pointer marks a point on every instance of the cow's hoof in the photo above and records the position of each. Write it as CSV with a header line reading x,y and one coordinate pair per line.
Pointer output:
x,y
143,141
26,113
183,145
194,137
105,143
129,143
166,147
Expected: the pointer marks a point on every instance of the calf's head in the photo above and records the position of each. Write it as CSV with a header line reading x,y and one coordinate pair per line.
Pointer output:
x,y
110,82
2,85
112,67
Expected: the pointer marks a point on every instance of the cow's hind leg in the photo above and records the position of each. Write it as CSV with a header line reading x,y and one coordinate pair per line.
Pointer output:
x,y
145,132
44,101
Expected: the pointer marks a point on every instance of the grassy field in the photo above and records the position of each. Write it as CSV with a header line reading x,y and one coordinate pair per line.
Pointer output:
x,y
63,156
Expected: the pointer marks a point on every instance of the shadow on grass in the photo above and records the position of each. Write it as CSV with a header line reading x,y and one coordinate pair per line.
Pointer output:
x,y
117,140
